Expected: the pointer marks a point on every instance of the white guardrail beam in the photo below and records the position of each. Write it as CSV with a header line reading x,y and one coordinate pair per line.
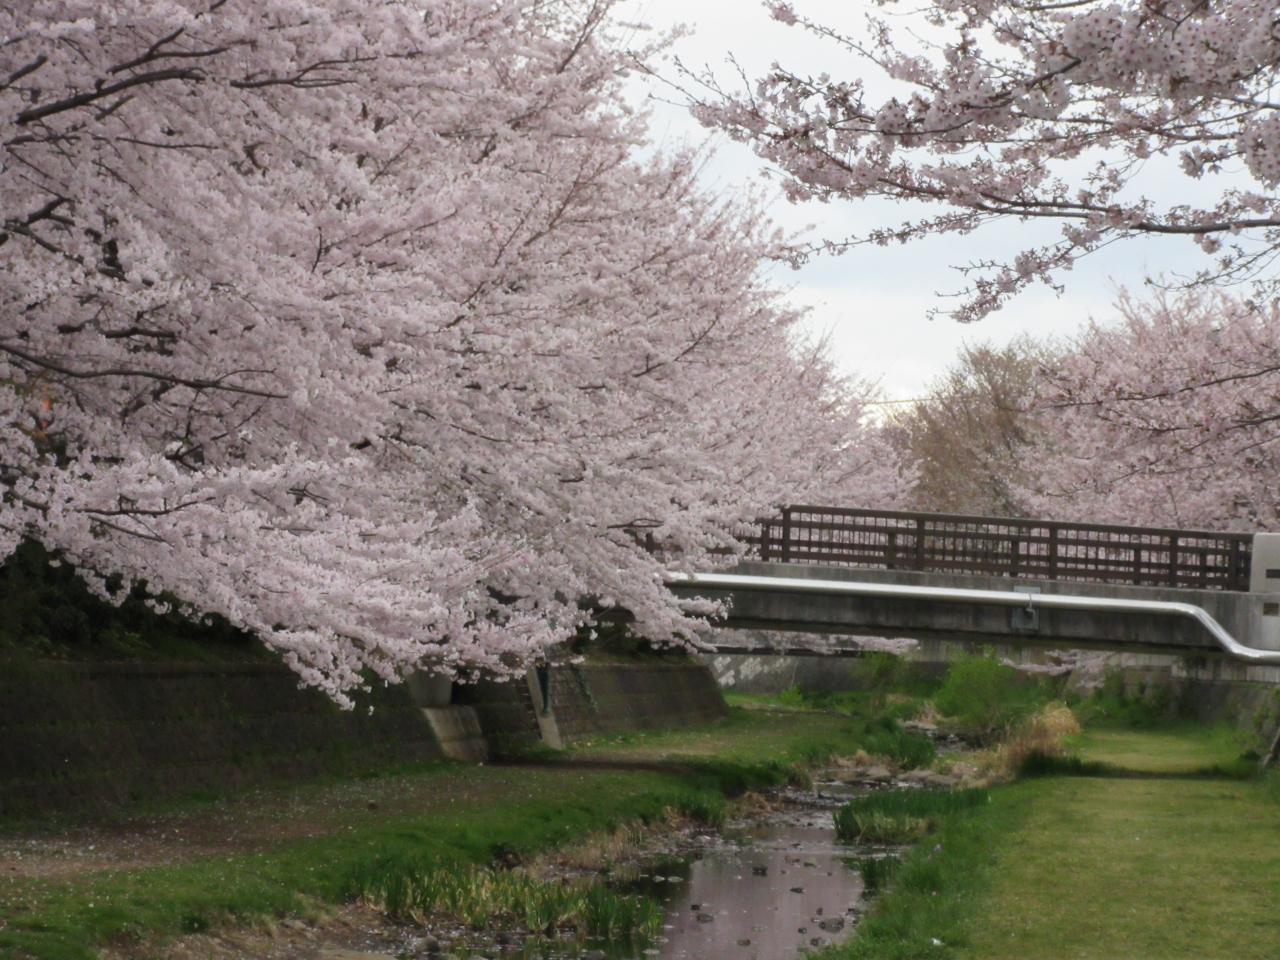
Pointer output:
x,y
1029,601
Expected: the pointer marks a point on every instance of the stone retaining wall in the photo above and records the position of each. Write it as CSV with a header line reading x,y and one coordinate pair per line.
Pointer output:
x,y
94,735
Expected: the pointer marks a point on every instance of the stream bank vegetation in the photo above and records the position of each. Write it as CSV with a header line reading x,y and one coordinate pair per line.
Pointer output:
x,y
902,816
484,898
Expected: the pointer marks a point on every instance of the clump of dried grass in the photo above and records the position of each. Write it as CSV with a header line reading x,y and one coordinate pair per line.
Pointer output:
x,y
1043,733
600,849
928,713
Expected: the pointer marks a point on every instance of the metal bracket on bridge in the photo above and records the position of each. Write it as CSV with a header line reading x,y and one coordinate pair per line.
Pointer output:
x,y
1025,619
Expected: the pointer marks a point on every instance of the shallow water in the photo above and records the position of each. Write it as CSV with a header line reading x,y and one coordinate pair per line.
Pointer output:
x,y
764,893
760,891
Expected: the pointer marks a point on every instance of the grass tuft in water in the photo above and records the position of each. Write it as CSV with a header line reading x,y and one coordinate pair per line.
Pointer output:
x,y
876,871
901,816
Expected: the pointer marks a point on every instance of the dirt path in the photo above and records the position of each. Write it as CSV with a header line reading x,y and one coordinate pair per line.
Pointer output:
x,y
246,823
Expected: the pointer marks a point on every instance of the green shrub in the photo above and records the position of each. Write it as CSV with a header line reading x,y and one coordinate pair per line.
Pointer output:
x,y
1134,703
882,672
887,739
880,735
985,694
793,696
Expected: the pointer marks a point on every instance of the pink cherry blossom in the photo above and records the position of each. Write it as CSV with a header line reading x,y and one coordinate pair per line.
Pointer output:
x,y
1170,417
365,325
1034,112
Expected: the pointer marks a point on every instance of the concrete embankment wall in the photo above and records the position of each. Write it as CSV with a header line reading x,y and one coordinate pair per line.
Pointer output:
x,y
595,698
94,735
77,736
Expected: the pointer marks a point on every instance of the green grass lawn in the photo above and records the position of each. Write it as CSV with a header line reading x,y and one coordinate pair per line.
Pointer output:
x,y
1184,748
1161,858
1140,867
745,736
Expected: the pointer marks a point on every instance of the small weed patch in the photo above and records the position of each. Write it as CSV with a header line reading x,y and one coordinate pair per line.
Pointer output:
x,y
900,816
910,750
705,808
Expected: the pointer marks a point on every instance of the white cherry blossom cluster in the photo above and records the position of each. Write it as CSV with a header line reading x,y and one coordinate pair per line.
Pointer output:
x,y
1169,417
362,325
1028,110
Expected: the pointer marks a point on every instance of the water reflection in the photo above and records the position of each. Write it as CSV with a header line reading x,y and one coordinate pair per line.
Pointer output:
x,y
764,892
779,889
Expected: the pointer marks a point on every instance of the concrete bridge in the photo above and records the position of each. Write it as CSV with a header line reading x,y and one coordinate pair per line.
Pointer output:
x,y
1007,581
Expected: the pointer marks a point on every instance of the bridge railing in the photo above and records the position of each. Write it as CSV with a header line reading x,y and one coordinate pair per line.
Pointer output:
x,y
1034,549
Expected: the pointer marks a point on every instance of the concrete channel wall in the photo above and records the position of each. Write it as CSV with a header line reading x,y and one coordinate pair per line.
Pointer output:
x,y
594,698
82,735
95,735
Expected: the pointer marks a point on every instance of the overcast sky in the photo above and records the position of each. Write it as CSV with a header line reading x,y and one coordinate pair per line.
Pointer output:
x,y
875,301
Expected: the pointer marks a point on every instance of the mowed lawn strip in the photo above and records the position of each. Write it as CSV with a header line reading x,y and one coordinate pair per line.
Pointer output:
x,y
1138,867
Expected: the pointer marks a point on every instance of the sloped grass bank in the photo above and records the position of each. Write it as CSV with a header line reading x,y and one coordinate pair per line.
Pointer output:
x,y
344,834
926,907
480,815
753,735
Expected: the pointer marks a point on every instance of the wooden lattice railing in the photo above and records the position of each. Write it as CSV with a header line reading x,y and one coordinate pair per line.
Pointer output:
x,y
1039,549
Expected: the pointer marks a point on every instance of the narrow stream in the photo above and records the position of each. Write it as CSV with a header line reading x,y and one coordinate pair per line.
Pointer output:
x,y
766,889
763,893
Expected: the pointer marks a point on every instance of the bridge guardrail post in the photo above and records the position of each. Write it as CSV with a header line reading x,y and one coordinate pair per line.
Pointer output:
x,y
1053,551
786,534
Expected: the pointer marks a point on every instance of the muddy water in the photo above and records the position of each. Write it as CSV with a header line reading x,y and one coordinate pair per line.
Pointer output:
x,y
765,893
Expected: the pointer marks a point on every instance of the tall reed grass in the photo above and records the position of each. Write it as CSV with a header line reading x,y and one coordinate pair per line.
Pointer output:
x,y
483,898
876,871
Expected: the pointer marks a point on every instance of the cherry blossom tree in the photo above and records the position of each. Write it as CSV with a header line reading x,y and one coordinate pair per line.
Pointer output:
x,y
365,325
1036,111
1170,417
